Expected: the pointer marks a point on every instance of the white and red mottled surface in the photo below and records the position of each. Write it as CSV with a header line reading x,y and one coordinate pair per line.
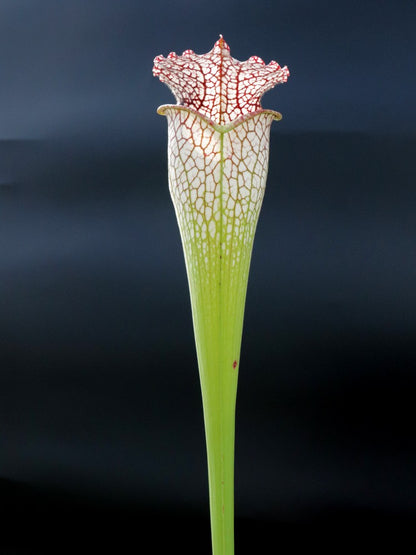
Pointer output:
x,y
217,85
218,151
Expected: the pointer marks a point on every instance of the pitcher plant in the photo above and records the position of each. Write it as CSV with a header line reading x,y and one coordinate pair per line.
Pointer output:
x,y
218,151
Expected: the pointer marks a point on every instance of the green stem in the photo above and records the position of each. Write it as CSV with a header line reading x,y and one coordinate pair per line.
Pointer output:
x,y
217,176
218,331
218,345
218,290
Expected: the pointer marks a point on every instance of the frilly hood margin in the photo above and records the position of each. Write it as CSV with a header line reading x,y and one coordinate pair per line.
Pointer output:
x,y
219,88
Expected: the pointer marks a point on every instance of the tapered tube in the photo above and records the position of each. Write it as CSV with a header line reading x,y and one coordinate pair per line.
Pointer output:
x,y
218,156
217,176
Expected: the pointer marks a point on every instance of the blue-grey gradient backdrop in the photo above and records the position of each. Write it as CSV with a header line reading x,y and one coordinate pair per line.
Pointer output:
x,y
101,431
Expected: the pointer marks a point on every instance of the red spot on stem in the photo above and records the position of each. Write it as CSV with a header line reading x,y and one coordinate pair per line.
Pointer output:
x,y
235,364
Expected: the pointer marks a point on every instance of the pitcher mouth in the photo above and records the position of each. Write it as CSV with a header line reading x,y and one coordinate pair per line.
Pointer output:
x,y
162,111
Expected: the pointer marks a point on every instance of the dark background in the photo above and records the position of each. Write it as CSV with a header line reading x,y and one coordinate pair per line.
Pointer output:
x,y
101,431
